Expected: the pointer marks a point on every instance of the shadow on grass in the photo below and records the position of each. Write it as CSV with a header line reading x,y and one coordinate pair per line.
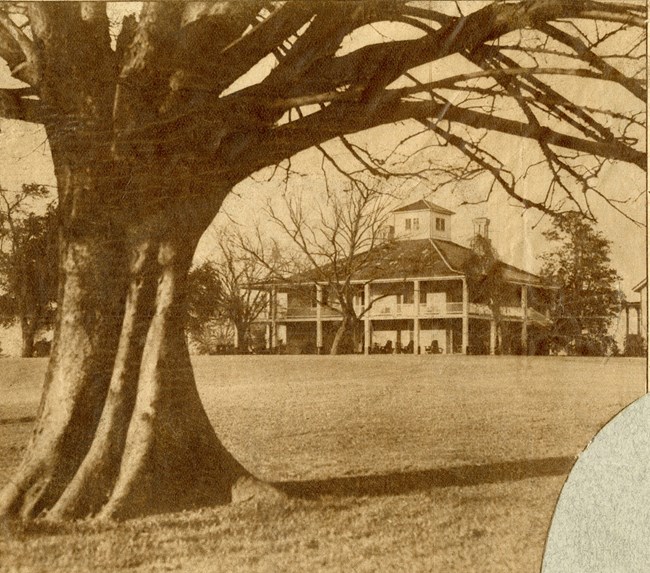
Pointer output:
x,y
422,480
22,420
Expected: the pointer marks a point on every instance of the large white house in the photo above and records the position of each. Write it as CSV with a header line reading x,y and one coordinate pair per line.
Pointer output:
x,y
414,296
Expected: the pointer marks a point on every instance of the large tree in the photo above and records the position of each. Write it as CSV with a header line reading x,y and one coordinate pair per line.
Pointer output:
x,y
149,135
579,264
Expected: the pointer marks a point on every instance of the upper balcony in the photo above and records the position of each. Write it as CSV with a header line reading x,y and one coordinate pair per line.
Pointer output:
x,y
389,310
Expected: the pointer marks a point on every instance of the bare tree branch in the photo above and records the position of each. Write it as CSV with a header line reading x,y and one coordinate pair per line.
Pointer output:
x,y
23,61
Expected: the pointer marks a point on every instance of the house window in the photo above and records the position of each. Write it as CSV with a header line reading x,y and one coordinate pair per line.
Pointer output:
x,y
407,224
440,224
416,224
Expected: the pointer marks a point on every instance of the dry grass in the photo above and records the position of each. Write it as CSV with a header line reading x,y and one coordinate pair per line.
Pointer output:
x,y
426,463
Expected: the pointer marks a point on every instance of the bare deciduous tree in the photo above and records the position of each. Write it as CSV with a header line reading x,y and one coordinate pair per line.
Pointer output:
x,y
149,136
336,242
237,271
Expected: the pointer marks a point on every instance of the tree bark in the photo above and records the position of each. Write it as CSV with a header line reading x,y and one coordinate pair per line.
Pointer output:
x,y
77,377
241,343
139,136
120,430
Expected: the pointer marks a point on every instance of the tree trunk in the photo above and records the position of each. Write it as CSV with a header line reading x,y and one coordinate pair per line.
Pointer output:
x,y
28,334
242,339
77,377
121,430
343,333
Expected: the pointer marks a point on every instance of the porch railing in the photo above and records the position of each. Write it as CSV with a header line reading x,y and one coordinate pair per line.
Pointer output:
x,y
388,310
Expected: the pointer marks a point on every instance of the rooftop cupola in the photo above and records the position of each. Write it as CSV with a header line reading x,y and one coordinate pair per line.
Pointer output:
x,y
422,220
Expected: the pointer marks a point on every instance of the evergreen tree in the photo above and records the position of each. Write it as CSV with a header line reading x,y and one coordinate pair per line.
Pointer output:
x,y
588,297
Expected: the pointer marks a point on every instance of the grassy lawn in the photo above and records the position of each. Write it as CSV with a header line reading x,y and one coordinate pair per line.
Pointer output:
x,y
394,463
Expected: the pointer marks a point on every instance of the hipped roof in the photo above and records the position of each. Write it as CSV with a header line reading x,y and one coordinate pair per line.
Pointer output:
x,y
421,258
424,205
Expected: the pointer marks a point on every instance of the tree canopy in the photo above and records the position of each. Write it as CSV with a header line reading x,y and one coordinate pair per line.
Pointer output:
x,y
223,287
248,85
203,312
346,234
150,128
484,272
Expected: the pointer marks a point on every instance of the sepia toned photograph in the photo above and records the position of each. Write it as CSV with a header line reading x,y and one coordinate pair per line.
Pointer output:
x,y
324,285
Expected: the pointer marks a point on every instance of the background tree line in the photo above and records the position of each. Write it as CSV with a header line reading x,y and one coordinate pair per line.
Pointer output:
x,y
329,246
28,264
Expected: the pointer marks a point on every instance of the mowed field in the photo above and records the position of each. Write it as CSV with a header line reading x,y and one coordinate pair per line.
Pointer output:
x,y
390,463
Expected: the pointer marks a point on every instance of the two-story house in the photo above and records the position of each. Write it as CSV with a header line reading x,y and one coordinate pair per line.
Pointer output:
x,y
414,296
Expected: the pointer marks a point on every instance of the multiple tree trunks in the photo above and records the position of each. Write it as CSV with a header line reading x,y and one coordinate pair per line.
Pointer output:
x,y
121,430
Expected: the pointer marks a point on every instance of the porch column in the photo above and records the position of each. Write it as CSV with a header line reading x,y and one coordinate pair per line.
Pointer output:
x,y
465,337
627,319
416,317
274,317
493,336
638,319
319,319
367,334
524,319
269,318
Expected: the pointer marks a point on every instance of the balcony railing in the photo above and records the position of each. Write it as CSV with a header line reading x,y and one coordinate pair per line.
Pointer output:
x,y
506,311
386,309
309,312
450,309
408,310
